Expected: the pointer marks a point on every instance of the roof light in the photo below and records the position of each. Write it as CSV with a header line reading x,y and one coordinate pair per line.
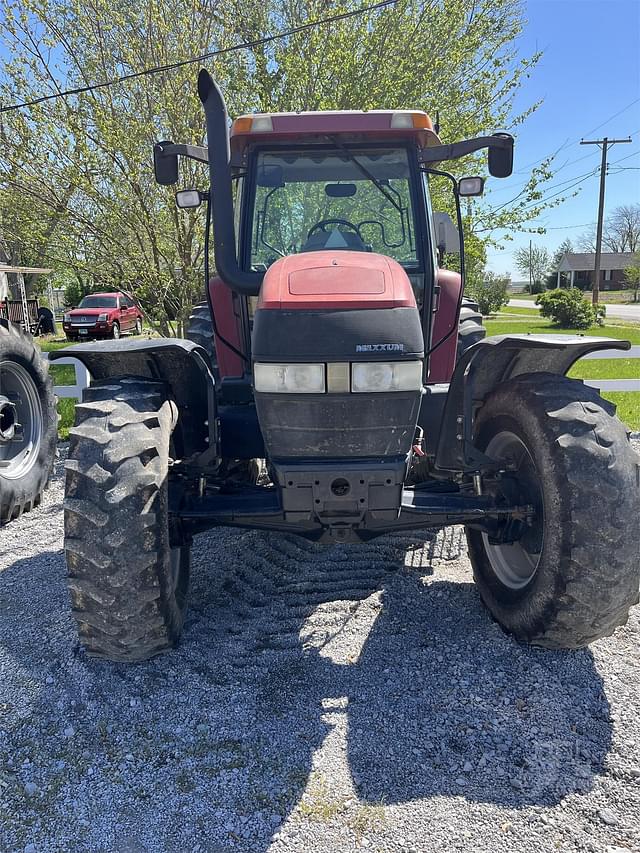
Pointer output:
x,y
252,124
242,125
411,121
261,124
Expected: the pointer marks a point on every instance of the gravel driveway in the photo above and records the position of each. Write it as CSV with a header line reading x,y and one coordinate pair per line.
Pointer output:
x,y
323,699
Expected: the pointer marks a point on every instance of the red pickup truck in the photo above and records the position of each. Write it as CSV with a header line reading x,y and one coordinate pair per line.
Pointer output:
x,y
103,315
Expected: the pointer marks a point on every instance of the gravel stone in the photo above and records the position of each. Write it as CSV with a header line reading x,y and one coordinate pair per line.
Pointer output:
x,y
322,695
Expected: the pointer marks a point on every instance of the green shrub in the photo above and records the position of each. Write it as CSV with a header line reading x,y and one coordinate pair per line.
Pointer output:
x,y
569,308
491,292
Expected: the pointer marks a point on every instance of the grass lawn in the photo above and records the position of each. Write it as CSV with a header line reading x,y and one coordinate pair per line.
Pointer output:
x,y
504,325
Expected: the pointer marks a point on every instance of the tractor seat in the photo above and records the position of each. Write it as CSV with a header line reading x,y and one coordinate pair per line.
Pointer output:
x,y
334,239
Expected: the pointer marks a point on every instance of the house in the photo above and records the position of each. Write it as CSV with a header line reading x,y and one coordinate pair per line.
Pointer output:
x,y
576,269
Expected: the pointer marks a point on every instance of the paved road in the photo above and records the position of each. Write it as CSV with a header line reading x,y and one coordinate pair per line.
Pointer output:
x,y
623,312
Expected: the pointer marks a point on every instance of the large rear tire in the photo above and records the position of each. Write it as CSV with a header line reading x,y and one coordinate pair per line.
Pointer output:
x,y
26,461
128,584
200,331
575,573
470,328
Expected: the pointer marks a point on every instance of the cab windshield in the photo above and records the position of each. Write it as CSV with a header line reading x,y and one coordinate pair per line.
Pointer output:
x,y
340,198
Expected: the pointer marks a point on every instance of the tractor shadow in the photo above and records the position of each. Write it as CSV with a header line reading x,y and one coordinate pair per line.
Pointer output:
x,y
308,676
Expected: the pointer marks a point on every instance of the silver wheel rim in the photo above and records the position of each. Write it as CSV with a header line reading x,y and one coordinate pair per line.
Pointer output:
x,y
116,331
515,564
138,327
18,456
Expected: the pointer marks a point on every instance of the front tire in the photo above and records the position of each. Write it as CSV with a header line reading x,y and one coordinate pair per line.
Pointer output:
x,y
575,573
115,331
26,461
128,584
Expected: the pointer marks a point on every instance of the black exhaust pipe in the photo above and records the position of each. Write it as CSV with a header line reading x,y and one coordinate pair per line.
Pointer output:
x,y
224,238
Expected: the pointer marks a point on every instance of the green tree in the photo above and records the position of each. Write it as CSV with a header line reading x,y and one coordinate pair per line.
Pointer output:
x,y
491,292
632,276
76,185
532,262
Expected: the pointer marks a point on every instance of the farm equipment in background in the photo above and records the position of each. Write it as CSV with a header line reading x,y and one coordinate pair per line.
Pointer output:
x,y
28,417
339,388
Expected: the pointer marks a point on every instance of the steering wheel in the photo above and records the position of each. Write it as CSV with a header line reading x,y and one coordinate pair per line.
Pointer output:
x,y
321,226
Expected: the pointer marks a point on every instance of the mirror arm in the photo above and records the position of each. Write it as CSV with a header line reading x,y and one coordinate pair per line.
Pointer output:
x,y
192,152
454,150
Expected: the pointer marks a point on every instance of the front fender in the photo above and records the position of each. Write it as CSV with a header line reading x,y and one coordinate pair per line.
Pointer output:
x,y
485,366
182,364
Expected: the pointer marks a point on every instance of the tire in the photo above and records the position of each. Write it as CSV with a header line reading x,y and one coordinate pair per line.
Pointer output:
x,y
128,585
579,471
138,328
470,328
115,331
27,463
200,331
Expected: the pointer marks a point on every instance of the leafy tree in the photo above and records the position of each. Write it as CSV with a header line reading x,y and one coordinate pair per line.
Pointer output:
x,y
76,184
533,262
621,231
491,292
632,276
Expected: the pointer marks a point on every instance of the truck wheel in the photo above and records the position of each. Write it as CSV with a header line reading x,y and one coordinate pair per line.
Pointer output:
x,y
115,331
128,584
200,331
573,575
470,328
27,451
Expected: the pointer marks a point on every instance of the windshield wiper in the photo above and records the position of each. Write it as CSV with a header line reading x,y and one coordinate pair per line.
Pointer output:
x,y
368,175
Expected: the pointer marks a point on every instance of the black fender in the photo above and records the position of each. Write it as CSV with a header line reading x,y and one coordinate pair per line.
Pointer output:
x,y
485,366
182,364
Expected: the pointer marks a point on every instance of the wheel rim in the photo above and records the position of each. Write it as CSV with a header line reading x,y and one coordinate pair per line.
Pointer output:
x,y
18,456
116,331
516,564
138,327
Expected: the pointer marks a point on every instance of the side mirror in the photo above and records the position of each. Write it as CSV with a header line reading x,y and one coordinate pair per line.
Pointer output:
x,y
501,157
447,237
186,199
468,187
165,166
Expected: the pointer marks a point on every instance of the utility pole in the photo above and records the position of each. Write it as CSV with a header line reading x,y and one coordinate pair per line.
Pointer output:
x,y
606,143
530,270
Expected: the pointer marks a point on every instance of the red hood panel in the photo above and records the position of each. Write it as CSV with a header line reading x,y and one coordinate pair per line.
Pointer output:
x,y
336,279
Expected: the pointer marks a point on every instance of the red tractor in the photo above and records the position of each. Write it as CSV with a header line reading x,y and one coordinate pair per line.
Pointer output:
x,y
340,388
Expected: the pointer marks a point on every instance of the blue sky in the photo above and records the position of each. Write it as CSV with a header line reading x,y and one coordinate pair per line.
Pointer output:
x,y
589,72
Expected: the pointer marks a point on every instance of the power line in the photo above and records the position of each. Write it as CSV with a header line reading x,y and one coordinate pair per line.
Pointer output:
x,y
606,121
220,52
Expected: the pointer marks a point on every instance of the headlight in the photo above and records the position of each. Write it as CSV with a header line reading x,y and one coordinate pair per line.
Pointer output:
x,y
102,318
289,378
376,376
66,318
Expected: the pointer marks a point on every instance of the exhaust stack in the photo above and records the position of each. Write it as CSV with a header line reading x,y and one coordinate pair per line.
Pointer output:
x,y
215,109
